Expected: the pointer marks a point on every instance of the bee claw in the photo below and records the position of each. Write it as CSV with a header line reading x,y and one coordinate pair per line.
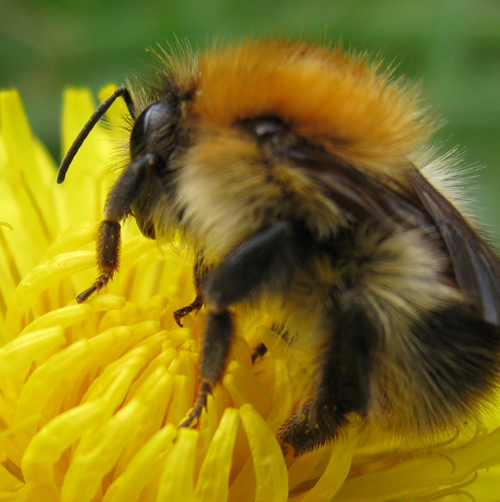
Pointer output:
x,y
184,311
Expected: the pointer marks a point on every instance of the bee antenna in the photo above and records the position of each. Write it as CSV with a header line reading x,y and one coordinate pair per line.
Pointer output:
x,y
91,122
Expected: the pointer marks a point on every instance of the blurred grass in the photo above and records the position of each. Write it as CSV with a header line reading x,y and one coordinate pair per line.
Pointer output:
x,y
452,46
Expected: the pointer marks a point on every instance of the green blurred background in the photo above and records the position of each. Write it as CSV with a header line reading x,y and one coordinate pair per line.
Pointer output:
x,y
452,46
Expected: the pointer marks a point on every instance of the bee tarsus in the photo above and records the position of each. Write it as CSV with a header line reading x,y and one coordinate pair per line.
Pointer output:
x,y
192,307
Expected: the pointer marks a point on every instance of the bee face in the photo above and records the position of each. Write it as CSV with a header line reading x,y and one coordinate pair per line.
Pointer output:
x,y
152,132
295,172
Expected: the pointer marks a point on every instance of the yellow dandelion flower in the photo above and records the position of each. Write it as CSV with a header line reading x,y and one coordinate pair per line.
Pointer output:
x,y
91,394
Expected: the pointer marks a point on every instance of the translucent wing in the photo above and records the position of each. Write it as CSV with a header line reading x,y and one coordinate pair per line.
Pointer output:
x,y
476,266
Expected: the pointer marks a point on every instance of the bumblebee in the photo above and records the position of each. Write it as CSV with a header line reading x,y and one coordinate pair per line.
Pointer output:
x,y
302,178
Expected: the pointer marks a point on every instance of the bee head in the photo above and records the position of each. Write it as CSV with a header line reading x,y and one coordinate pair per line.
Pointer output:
x,y
153,133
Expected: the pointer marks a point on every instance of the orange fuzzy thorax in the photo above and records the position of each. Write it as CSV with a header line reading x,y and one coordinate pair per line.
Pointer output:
x,y
332,98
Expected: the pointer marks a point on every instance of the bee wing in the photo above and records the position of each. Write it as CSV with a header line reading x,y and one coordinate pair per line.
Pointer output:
x,y
475,264
360,195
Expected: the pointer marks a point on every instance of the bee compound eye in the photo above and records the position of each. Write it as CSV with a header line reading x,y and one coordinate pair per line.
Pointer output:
x,y
153,119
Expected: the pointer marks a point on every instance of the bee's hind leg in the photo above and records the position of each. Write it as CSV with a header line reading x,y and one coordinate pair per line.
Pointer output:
x,y
342,383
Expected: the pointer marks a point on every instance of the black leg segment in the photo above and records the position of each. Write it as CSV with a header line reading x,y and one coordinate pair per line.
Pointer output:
x,y
217,338
342,383
265,259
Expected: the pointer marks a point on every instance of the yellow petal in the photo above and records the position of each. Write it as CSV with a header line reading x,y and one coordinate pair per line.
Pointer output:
x,y
19,353
16,133
98,451
177,479
336,470
213,480
128,487
271,477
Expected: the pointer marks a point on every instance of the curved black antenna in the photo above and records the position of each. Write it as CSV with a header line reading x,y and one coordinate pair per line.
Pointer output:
x,y
91,122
